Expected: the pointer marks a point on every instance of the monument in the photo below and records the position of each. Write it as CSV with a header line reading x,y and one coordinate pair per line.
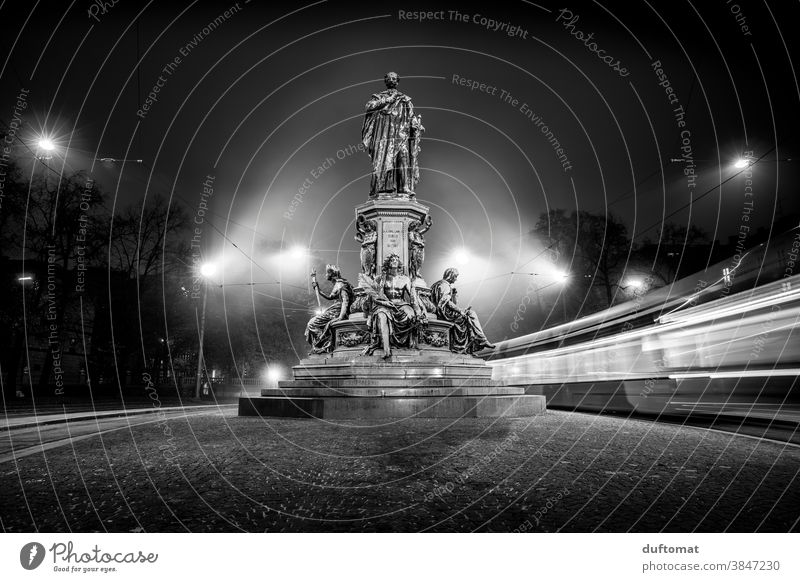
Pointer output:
x,y
392,347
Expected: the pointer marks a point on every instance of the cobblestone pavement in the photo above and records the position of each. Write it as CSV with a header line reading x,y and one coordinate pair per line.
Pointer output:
x,y
562,471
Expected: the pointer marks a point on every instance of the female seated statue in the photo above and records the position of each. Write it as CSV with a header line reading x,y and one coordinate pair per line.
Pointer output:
x,y
318,331
394,312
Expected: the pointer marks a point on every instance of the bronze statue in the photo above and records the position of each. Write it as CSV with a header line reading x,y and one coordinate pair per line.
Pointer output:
x,y
416,246
466,334
368,238
391,133
393,308
318,331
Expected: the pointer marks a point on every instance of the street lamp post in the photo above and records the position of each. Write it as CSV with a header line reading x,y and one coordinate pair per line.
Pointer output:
x,y
560,277
563,277
206,271
25,281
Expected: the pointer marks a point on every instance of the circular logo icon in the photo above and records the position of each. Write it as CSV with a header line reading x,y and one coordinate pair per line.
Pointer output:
x,y
31,555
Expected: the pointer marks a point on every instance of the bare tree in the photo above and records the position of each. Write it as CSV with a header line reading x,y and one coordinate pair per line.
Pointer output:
x,y
62,215
148,239
148,246
596,245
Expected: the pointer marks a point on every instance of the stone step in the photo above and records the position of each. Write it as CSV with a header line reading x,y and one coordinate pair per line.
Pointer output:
x,y
376,408
427,368
393,391
369,382
408,375
400,358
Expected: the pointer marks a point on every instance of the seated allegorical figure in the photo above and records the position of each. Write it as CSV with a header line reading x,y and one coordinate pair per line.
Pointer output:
x,y
394,312
318,331
466,334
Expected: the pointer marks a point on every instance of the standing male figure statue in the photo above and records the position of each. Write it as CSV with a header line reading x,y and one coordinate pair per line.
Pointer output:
x,y
391,134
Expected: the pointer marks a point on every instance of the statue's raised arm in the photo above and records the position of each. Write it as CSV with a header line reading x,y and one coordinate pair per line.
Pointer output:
x,y
318,331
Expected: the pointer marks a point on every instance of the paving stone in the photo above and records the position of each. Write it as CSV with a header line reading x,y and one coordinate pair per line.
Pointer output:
x,y
561,472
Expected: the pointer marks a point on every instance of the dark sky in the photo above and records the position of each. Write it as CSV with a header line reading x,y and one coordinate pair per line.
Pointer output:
x,y
274,90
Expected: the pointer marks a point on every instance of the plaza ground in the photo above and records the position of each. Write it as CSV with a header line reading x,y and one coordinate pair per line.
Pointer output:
x,y
558,472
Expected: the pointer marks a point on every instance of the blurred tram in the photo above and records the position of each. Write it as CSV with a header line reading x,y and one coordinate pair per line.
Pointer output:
x,y
720,344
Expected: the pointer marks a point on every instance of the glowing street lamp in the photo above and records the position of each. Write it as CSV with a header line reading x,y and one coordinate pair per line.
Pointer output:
x,y
46,146
741,163
208,270
560,278
274,373
298,252
461,256
635,283
292,258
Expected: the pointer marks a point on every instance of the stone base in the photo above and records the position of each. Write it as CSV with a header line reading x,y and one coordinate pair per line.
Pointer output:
x,y
405,365
412,383
393,407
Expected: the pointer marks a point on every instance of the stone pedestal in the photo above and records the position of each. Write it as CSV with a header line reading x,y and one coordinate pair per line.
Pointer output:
x,y
425,380
447,406
412,383
392,217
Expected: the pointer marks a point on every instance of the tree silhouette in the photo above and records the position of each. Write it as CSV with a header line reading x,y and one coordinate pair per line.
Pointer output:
x,y
594,248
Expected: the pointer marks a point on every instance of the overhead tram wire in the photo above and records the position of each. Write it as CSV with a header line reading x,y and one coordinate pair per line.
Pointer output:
x,y
706,193
304,306
254,283
636,190
300,306
227,238
182,199
208,211
248,257
511,273
538,289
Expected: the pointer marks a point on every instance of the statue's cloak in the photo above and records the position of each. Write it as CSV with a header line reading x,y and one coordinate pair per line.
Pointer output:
x,y
385,134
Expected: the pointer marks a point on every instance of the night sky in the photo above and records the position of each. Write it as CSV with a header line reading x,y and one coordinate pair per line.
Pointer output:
x,y
270,100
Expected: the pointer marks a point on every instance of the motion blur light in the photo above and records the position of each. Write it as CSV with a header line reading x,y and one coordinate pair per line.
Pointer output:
x,y
635,283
